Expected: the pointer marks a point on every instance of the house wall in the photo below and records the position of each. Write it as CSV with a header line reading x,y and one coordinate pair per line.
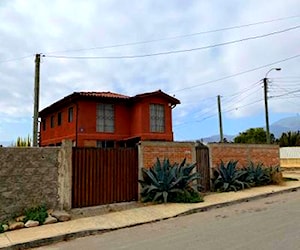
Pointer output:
x,y
141,120
67,130
257,153
87,135
290,157
28,177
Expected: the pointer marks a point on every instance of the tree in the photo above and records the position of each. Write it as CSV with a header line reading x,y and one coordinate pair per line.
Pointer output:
x,y
289,139
22,142
253,136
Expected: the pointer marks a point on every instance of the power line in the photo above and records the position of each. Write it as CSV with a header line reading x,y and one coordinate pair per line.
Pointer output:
x,y
237,74
16,59
176,37
177,51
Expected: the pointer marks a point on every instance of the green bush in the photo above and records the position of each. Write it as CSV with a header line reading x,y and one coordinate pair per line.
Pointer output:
x,y
188,196
258,175
1,228
226,177
38,213
162,180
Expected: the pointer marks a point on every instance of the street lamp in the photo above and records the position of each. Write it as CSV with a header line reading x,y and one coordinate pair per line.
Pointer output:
x,y
266,103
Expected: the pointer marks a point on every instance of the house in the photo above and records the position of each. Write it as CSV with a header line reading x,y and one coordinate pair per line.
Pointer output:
x,y
105,119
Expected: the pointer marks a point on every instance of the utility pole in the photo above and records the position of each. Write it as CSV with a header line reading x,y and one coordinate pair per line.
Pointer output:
x,y
266,109
220,119
36,100
266,104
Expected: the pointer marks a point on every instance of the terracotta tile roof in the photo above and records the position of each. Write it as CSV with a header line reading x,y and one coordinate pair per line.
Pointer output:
x,y
104,95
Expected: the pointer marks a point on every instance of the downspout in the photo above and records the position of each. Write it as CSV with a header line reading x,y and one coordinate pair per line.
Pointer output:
x,y
76,125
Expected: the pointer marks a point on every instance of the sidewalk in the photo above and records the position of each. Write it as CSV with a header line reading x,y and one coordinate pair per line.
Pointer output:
x,y
48,234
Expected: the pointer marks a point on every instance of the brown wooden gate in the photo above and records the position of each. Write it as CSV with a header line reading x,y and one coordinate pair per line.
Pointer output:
x,y
203,167
104,176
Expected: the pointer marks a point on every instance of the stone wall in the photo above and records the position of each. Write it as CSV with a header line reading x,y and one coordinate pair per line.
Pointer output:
x,y
290,157
257,153
28,177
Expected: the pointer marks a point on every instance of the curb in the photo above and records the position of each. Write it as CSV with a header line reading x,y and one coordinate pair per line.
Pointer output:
x,y
71,236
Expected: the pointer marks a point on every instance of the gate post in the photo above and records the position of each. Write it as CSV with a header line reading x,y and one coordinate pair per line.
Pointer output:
x,y
65,176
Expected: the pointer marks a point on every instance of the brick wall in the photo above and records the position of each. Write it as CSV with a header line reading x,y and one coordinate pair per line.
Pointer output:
x,y
257,153
174,151
33,176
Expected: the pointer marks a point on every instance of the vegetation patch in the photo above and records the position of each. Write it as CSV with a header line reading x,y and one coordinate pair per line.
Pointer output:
x,y
227,177
38,213
164,182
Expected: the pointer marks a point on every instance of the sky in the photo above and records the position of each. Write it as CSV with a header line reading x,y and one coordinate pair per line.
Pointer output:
x,y
193,50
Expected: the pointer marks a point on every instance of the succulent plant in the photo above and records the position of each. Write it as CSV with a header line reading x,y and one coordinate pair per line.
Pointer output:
x,y
228,178
163,179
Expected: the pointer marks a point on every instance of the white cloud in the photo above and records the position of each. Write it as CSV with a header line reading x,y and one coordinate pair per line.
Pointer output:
x,y
55,26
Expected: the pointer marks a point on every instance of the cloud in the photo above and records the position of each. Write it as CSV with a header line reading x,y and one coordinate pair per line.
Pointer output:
x,y
66,27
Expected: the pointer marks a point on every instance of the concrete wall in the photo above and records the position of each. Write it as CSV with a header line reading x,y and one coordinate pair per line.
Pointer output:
x,y
34,176
290,157
257,153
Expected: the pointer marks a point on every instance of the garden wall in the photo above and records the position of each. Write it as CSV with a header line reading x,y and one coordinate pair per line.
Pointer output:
x,y
174,151
257,153
290,157
31,177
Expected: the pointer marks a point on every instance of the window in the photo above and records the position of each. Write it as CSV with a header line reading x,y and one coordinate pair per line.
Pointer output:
x,y
44,124
52,121
59,118
105,144
157,118
105,118
70,114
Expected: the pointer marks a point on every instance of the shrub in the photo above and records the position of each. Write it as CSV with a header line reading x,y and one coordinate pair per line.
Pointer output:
x,y
38,213
228,178
162,180
188,196
257,175
1,228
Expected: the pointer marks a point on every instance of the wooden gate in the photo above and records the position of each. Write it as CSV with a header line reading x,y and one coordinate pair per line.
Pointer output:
x,y
203,167
104,176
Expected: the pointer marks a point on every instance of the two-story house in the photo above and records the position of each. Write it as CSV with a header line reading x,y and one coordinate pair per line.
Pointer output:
x,y
105,119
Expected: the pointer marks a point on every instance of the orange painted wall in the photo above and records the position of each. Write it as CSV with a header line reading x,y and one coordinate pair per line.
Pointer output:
x,y
67,130
131,120
141,120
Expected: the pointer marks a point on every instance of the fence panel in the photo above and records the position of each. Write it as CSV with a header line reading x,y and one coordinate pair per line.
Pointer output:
x,y
104,176
202,159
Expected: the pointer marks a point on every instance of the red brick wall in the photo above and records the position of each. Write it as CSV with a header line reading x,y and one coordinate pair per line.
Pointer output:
x,y
174,151
258,153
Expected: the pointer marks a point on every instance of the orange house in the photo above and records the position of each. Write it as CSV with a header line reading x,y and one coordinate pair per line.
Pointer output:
x,y
105,119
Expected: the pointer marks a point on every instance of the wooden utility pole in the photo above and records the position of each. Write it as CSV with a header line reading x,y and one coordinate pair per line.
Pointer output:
x,y
220,119
266,109
36,100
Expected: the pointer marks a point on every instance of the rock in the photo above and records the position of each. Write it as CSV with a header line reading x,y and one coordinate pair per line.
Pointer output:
x,y
20,218
32,223
61,215
5,227
50,220
15,225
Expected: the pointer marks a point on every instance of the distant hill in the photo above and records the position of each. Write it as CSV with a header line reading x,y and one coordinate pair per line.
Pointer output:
x,y
285,125
277,128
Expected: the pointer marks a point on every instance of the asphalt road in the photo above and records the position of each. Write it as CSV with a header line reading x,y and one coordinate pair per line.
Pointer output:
x,y
268,223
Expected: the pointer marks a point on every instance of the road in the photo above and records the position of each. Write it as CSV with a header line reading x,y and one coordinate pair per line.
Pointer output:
x,y
268,223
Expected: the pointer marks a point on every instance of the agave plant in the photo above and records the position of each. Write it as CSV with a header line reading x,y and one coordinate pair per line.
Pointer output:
x,y
228,178
161,180
257,175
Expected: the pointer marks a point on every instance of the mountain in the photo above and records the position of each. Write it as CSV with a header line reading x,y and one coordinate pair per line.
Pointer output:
x,y
285,125
277,128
